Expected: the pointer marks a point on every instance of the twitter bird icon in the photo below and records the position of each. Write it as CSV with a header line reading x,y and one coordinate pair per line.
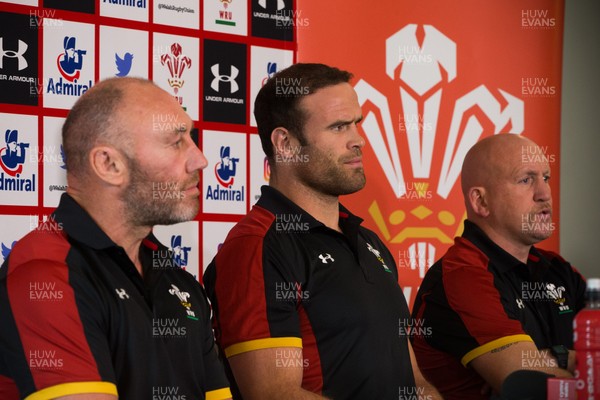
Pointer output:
x,y
123,64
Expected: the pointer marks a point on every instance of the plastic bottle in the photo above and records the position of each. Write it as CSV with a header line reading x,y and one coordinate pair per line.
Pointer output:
x,y
586,341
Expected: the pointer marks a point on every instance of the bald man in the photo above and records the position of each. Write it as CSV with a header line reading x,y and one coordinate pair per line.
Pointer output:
x,y
92,305
494,303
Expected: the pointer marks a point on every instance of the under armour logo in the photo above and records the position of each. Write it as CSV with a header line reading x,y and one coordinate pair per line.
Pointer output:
x,y
520,304
122,293
14,54
233,86
325,258
280,4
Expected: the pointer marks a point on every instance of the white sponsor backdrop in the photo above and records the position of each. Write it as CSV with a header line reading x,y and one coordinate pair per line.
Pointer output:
x,y
161,40
59,92
224,195
128,45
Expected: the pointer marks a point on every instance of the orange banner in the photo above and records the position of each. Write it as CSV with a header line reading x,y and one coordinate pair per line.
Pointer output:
x,y
433,77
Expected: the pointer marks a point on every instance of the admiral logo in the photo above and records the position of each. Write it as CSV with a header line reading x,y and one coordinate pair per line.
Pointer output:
x,y
12,158
225,16
225,171
176,257
176,62
271,70
69,64
123,64
141,4
180,252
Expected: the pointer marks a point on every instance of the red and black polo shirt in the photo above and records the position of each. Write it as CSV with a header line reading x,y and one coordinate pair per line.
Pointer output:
x,y
77,317
478,297
283,279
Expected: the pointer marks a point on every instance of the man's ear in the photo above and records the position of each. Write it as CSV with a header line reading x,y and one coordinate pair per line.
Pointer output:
x,y
477,197
108,164
280,138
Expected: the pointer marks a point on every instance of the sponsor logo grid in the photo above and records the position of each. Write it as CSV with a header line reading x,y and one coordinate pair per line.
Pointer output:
x,y
49,57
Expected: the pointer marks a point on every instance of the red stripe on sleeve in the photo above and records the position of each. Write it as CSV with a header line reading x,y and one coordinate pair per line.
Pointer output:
x,y
240,286
45,312
471,293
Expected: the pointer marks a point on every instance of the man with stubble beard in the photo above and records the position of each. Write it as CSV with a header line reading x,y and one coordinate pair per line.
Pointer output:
x,y
495,304
307,302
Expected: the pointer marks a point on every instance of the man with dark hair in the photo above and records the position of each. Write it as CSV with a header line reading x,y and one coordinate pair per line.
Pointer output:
x,y
495,304
92,306
306,300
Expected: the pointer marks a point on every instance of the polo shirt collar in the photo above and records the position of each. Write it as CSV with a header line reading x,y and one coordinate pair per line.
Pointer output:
x,y
80,226
276,202
502,259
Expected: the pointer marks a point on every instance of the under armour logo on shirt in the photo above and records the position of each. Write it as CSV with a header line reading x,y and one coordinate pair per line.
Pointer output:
x,y
122,293
520,303
326,258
